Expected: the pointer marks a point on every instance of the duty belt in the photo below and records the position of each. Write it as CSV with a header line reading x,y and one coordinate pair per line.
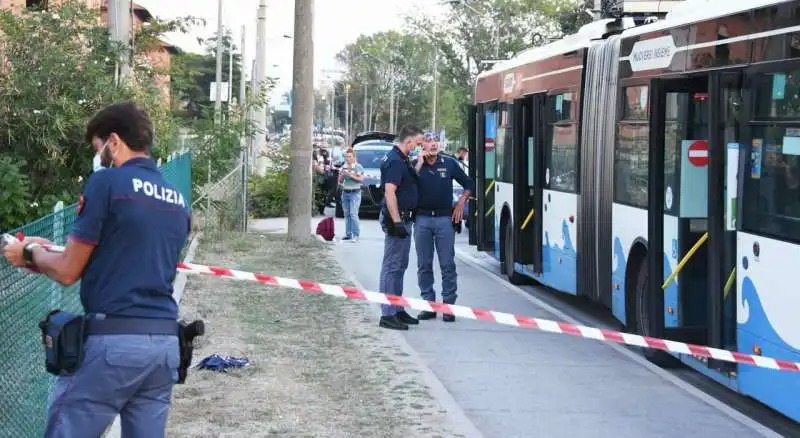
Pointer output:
x,y
437,212
408,215
109,325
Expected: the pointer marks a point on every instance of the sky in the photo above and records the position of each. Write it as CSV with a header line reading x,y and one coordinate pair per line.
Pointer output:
x,y
336,23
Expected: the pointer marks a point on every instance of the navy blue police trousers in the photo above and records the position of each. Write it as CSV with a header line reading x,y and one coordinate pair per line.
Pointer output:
x,y
396,252
436,233
129,375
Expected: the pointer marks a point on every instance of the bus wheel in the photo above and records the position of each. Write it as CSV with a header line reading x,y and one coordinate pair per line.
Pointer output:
x,y
508,256
642,306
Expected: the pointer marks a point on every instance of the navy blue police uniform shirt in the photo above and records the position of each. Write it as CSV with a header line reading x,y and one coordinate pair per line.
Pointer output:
x,y
139,223
437,183
396,170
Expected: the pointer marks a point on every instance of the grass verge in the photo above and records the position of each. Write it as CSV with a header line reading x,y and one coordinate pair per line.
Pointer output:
x,y
320,367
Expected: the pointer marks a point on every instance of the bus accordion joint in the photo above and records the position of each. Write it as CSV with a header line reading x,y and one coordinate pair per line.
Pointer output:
x,y
527,219
684,260
729,283
489,211
488,188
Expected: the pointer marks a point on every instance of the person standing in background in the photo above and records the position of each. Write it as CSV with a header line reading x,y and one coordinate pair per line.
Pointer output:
x,y
350,177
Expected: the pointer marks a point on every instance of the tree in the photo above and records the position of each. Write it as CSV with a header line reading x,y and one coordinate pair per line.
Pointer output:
x,y
193,74
483,30
372,62
58,71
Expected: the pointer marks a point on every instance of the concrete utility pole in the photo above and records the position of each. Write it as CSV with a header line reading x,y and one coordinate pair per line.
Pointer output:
x,y
244,142
347,112
230,72
364,124
120,31
218,97
242,83
391,100
260,119
302,119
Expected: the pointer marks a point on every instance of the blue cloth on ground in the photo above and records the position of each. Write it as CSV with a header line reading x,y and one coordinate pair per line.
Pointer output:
x,y
215,362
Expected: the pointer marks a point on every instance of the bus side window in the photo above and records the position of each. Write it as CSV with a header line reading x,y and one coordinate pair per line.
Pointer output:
x,y
771,198
561,155
632,148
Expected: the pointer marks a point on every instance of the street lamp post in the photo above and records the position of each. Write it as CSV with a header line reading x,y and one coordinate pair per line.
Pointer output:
x,y
218,97
435,87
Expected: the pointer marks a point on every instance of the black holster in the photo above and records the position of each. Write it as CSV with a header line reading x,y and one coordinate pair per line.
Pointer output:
x,y
63,335
186,335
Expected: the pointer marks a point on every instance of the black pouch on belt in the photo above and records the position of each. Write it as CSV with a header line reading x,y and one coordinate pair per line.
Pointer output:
x,y
186,335
63,334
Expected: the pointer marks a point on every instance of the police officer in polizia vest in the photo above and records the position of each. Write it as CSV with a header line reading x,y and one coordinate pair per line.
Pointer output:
x,y
124,247
435,220
397,214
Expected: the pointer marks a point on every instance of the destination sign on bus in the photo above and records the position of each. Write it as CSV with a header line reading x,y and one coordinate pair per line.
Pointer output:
x,y
652,54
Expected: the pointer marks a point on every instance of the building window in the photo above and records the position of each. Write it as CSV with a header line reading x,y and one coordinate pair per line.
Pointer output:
x,y
561,155
632,148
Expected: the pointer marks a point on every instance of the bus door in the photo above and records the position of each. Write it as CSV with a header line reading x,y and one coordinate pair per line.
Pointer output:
x,y
678,209
726,112
485,162
472,143
528,178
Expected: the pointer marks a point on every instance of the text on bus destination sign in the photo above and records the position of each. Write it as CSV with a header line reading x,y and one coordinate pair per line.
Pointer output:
x,y
652,54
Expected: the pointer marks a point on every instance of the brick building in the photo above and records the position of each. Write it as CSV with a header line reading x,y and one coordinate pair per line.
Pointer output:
x,y
160,57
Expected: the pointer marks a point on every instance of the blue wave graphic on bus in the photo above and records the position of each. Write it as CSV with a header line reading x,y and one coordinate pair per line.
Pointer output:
x,y
559,264
758,322
618,294
778,389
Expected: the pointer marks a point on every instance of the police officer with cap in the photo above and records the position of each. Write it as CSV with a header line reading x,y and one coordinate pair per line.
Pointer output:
x,y
397,213
124,247
435,219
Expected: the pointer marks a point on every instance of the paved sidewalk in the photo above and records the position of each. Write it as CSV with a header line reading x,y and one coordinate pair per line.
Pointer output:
x,y
521,383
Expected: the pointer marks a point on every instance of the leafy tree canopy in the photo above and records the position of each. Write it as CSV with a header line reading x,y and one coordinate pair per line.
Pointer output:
x,y
58,72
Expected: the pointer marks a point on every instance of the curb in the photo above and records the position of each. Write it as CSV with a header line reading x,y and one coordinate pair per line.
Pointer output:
x,y
115,431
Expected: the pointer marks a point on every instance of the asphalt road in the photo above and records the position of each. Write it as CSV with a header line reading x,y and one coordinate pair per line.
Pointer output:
x,y
500,381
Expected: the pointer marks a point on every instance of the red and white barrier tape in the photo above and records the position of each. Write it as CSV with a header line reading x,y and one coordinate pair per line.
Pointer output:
x,y
545,325
496,317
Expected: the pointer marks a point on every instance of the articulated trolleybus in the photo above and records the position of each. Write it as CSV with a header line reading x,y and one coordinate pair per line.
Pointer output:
x,y
655,169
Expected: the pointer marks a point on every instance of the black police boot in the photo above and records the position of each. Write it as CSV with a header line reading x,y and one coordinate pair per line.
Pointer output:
x,y
448,318
391,322
424,315
405,318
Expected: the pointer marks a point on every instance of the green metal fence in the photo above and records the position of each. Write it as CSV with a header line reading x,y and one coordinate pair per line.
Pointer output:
x,y
25,299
